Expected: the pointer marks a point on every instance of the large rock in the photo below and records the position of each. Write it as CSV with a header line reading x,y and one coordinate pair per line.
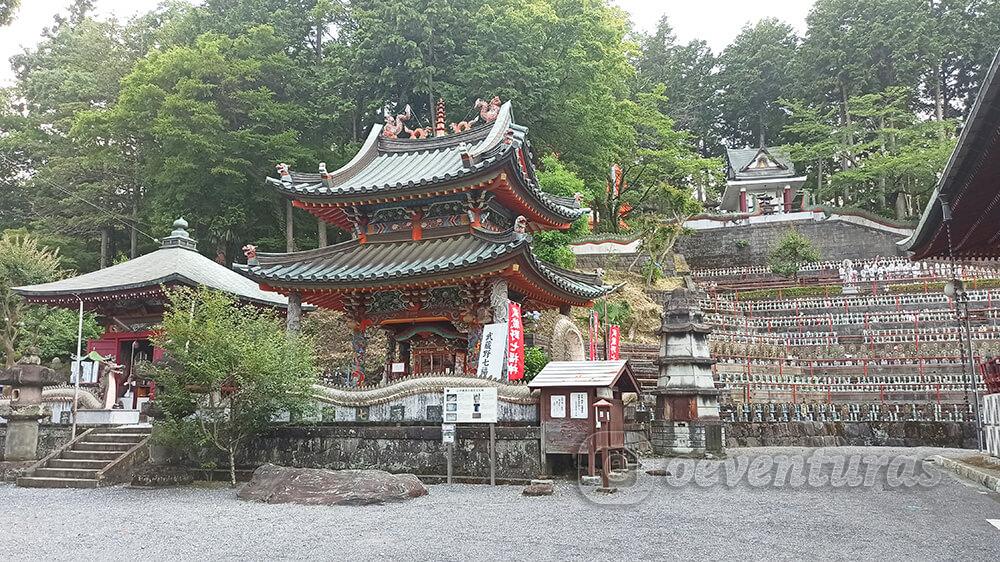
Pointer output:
x,y
316,486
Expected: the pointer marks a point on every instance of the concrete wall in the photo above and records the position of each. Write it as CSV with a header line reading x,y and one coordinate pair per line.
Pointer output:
x,y
744,246
399,448
861,433
417,408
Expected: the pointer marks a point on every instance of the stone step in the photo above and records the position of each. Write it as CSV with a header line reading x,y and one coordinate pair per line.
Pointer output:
x,y
89,445
41,482
137,430
130,438
73,473
84,454
78,463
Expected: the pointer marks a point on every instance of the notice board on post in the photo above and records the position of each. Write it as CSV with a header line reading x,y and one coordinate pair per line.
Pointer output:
x,y
470,405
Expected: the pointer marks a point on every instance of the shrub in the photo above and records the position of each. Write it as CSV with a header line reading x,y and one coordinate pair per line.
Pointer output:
x,y
535,359
791,252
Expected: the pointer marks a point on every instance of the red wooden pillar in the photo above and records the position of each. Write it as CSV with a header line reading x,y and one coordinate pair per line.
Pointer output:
x,y
743,201
788,199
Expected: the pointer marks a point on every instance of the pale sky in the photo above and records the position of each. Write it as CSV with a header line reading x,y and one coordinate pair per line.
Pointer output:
x,y
716,21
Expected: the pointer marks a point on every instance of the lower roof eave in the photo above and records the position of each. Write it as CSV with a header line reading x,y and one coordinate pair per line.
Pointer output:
x,y
526,279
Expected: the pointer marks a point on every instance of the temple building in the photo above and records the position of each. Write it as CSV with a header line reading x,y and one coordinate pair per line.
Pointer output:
x,y
129,299
441,220
760,180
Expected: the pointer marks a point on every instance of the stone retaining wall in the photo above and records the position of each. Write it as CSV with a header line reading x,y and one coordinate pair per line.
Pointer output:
x,y
400,448
745,246
50,438
862,433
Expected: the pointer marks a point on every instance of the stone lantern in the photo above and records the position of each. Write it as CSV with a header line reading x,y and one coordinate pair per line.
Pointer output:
x,y
27,378
686,419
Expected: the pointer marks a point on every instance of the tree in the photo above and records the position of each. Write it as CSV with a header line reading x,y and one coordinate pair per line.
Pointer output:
x,y
8,9
657,158
893,160
77,188
209,121
231,369
52,332
791,252
687,73
23,261
755,71
553,245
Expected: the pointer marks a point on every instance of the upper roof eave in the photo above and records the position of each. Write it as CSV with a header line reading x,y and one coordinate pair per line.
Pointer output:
x,y
439,164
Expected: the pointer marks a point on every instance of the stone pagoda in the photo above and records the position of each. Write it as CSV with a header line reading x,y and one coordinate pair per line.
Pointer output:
x,y
440,220
686,419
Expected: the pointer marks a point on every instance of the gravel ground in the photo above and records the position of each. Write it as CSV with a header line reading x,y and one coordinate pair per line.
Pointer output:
x,y
653,518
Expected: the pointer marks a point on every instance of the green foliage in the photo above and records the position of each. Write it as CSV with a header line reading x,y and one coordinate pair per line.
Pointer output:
x,y
112,129
613,312
938,286
552,246
791,293
686,72
535,360
231,368
892,158
8,9
52,331
555,178
792,251
23,261
754,72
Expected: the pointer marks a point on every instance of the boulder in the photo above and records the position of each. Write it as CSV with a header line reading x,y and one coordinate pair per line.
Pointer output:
x,y
317,486
538,489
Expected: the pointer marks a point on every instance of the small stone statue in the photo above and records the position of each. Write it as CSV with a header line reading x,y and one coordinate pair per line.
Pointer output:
x,y
30,357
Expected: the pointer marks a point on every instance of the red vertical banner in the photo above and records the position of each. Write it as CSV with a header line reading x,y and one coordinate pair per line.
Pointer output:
x,y
515,342
614,343
595,330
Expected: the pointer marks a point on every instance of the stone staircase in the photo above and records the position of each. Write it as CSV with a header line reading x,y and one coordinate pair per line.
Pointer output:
x,y
93,459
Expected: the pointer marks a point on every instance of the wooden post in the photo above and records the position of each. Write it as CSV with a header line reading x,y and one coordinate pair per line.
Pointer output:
x,y
448,452
321,233
493,454
289,227
605,467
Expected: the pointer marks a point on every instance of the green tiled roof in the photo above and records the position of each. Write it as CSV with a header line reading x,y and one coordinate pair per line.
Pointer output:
x,y
376,263
740,158
387,165
176,262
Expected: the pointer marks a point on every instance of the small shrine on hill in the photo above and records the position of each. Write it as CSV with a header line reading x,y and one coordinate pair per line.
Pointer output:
x,y
441,218
129,300
760,180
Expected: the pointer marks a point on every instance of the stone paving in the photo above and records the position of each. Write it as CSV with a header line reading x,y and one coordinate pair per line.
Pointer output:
x,y
685,515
